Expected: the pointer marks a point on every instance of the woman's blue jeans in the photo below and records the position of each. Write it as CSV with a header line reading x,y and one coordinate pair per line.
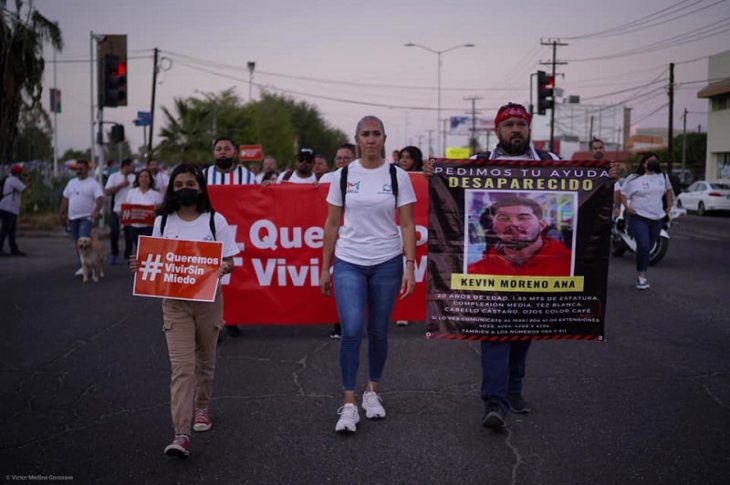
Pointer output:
x,y
646,234
365,292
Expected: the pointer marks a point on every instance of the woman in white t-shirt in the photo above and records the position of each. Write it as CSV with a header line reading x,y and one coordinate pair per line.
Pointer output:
x,y
191,327
143,193
642,196
368,264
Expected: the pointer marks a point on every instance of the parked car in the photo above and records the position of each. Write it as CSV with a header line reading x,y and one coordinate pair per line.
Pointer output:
x,y
706,195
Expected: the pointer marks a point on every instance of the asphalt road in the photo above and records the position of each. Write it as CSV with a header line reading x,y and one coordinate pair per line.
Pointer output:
x,y
84,389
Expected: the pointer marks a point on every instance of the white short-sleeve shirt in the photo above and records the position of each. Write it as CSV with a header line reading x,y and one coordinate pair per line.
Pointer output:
x,y
644,194
11,194
82,195
199,230
115,179
295,178
369,235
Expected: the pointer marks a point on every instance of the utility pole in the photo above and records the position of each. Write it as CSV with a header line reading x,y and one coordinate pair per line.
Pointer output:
x,y
670,139
555,43
155,68
55,119
684,145
92,148
430,143
473,141
251,66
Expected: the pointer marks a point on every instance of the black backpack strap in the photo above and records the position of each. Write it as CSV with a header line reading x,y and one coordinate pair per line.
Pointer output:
x,y
211,223
343,185
287,175
163,223
484,155
394,183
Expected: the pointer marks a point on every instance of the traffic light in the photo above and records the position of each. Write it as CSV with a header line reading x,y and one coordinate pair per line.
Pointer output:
x,y
117,134
113,71
545,92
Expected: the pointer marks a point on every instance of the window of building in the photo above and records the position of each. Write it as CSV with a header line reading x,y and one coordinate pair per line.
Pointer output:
x,y
721,102
723,165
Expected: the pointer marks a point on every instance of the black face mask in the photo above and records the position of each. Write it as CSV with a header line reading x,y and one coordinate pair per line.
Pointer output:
x,y
186,197
224,163
654,167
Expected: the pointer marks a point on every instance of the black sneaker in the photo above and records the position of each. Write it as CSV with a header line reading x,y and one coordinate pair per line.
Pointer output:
x,y
18,253
233,330
493,415
336,332
517,404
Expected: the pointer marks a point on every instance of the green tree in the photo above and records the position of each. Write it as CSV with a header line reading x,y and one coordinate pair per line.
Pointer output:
x,y
22,35
279,124
33,141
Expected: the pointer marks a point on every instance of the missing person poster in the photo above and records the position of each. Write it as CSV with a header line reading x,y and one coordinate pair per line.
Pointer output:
x,y
518,249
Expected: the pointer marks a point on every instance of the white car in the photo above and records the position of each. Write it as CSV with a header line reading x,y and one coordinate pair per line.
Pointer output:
x,y
705,195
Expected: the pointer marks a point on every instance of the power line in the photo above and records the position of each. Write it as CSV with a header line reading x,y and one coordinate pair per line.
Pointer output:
x,y
693,35
628,24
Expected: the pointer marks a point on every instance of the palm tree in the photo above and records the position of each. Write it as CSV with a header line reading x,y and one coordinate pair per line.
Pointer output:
x,y
186,136
22,36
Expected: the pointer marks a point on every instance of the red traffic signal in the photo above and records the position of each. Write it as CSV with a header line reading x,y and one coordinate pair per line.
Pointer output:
x,y
545,92
113,71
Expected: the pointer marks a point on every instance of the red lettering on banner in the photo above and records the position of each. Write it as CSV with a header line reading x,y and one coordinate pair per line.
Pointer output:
x,y
280,231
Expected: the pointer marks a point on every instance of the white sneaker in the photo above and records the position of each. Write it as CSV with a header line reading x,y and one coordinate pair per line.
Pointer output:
x,y
642,283
349,417
79,272
401,323
371,403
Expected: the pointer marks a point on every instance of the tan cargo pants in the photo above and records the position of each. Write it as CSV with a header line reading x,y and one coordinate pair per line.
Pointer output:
x,y
191,329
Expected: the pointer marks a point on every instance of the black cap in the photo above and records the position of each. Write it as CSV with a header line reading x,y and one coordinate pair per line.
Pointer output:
x,y
305,154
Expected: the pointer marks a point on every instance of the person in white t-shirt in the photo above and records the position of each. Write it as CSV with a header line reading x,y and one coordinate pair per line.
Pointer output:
x,y
158,172
117,187
302,173
368,261
144,192
82,200
647,198
11,190
191,327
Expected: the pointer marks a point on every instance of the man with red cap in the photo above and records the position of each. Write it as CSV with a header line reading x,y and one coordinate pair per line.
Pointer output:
x,y
503,363
11,189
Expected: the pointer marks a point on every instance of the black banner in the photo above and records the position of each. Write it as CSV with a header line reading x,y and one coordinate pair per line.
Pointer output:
x,y
518,249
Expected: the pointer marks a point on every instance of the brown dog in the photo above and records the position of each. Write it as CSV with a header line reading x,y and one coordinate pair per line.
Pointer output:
x,y
93,256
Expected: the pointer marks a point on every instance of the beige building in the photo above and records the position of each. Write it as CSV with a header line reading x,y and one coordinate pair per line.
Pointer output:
x,y
717,94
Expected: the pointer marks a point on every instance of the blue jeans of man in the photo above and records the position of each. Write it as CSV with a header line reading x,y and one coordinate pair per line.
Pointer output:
x,y
365,292
503,368
646,234
80,227
9,224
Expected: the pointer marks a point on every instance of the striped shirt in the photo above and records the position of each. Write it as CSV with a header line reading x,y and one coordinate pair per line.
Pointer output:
x,y
239,176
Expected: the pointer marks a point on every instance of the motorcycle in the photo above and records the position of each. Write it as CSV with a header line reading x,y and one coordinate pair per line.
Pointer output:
x,y
622,240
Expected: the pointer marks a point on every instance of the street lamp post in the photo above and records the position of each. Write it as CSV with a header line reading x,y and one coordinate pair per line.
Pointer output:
x,y
438,89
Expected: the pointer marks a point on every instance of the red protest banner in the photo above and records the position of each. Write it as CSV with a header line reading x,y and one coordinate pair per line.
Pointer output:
x,y
280,231
173,268
138,214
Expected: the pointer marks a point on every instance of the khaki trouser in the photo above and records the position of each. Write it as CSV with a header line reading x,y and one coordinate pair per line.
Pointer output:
x,y
191,329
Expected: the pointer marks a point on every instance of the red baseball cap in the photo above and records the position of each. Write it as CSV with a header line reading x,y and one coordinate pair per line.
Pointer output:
x,y
16,169
511,110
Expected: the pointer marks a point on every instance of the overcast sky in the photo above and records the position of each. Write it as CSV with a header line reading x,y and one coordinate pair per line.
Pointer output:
x,y
358,48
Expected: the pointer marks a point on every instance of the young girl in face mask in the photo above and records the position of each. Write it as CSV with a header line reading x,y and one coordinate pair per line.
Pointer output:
x,y
191,328
647,197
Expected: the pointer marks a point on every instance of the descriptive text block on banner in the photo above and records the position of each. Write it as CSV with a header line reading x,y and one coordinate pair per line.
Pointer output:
x,y
173,268
518,249
138,214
